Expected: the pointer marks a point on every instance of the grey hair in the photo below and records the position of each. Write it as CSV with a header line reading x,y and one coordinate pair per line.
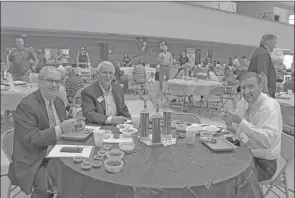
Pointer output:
x,y
267,37
105,64
47,69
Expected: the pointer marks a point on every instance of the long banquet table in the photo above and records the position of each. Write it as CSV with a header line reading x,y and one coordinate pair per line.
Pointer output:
x,y
192,87
164,172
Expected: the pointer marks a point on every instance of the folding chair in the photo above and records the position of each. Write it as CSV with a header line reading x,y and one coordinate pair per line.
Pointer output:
x,y
214,97
185,117
229,92
280,180
178,94
7,147
77,96
79,114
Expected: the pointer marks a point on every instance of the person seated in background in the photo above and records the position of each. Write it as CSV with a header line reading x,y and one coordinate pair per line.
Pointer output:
x,y
139,73
73,83
289,85
258,122
212,75
103,101
230,78
127,61
39,120
62,90
119,76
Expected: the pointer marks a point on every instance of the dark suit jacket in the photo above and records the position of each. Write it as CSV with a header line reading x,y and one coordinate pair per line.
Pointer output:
x,y
32,136
95,111
261,62
118,73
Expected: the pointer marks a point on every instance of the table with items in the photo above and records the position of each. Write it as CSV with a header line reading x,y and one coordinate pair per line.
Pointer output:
x,y
11,97
208,165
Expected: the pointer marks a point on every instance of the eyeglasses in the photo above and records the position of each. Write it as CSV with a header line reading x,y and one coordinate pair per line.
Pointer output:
x,y
51,81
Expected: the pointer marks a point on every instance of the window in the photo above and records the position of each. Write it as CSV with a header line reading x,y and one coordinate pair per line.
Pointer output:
x,y
291,19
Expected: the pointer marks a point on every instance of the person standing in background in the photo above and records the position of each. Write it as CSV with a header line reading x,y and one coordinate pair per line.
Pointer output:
x,y
236,62
42,60
127,61
83,59
244,63
230,62
165,58
183,59
19,60
262,64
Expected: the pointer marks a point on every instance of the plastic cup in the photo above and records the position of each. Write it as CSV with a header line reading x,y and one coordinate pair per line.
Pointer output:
x,y
98,136
190,137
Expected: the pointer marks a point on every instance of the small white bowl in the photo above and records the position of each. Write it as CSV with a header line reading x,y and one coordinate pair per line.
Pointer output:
x,y
211,128
207,133
115,154
123,126
113,165
127,147
127,132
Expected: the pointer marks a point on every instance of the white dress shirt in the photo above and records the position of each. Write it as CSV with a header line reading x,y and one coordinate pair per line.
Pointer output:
x,y
261,127
111,108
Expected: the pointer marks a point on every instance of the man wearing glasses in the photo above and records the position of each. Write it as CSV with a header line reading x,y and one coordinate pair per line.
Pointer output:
x,y
103,101
40,119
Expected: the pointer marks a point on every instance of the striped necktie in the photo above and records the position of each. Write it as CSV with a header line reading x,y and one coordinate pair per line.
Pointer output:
x,y
51,117
247,114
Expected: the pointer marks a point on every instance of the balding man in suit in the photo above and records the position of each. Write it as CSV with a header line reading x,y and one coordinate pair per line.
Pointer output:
x,y
40,119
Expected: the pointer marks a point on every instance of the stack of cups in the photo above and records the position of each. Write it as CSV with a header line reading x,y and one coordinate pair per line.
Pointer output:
x,y
191,133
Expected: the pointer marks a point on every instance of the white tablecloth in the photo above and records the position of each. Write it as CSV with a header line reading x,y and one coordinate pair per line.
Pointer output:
x,y
193,87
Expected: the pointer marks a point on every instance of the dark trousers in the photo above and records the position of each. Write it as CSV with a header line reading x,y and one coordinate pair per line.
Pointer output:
x,y
264,169
45,179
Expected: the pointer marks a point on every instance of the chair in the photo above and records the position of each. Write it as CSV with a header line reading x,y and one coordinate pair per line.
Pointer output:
x,y
79,114
179,95
288,118
185,117
280,180
139,79
214,97
77,96
7,147
229,92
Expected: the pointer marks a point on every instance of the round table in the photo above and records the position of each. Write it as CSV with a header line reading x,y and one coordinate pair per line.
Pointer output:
x,y
10,99
193,87
167,172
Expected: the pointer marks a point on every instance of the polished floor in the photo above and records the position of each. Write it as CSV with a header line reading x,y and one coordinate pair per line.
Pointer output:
x,y
135,106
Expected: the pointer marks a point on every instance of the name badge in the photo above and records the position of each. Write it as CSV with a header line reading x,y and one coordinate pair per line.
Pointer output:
x,y
100,99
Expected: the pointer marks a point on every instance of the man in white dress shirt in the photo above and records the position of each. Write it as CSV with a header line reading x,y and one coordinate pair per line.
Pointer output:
x,y
258,122
102,101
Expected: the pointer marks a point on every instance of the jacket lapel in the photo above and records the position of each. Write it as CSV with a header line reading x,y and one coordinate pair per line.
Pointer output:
x,y
117,99
43,107
99,96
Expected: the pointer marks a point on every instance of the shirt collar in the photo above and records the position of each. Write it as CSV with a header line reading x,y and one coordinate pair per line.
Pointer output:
x,y
46,101
257,103
103,90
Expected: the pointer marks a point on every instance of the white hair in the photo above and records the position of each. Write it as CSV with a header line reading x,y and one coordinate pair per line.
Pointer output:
x,y
105,64
47,69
